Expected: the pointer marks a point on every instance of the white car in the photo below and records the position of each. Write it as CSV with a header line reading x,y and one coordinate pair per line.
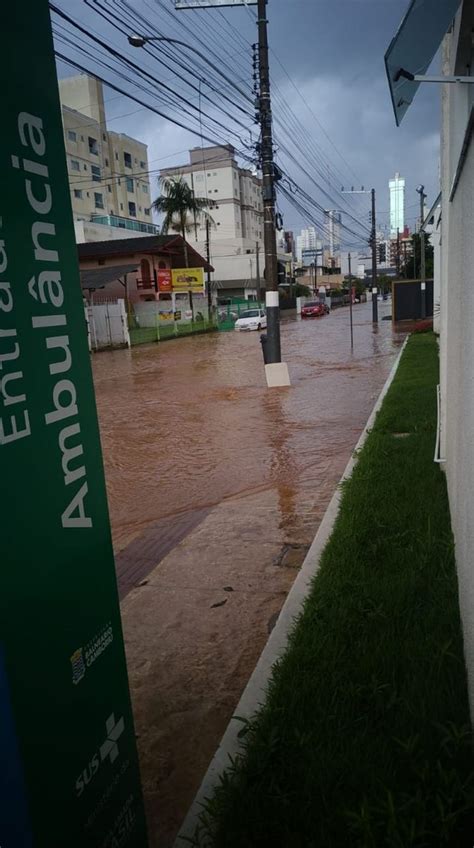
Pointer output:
x,y
251,319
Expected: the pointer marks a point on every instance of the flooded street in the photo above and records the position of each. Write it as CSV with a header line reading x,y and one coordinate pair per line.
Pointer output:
x,y
216,488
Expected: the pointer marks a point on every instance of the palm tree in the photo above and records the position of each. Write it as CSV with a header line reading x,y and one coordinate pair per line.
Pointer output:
x,y
177,202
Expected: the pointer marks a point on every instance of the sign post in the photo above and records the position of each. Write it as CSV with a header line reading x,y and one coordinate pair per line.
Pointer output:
x,y
69,760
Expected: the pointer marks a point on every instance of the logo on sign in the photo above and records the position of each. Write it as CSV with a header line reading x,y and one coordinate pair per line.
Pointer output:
x,y
84,658
109,750
78,666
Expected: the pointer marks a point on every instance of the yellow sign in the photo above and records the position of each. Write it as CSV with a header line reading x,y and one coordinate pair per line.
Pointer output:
x,y
188,279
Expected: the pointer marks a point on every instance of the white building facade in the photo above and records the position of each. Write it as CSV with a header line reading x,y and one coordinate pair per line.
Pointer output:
x,y
454,276
396,188
307,240
107,171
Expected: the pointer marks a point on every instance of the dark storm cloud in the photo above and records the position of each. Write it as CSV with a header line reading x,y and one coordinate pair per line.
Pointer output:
x,y
333,50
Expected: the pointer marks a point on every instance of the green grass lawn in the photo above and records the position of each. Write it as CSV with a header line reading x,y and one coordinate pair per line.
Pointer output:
x,y
364,739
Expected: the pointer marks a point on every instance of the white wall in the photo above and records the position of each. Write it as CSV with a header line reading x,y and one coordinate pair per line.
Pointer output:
x,y
457,333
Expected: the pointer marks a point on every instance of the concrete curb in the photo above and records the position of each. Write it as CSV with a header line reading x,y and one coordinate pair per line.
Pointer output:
x,y
254,693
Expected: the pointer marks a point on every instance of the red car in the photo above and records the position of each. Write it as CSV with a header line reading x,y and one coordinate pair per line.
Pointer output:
x,y
313,309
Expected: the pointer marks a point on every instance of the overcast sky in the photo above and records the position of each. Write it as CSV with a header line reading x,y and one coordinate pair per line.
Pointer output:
x,y
333,52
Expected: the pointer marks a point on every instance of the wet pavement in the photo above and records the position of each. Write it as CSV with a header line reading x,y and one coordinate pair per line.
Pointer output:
x,y
216,488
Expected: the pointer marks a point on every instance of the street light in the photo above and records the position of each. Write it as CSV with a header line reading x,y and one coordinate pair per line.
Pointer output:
x,y
141,40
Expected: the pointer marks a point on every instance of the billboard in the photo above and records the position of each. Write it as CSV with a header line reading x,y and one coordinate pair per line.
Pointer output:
x,y
164,280
188,280
67,743
206,4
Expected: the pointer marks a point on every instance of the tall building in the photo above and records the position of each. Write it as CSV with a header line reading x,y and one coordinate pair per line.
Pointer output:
x,y
306,241
334,219
108,171
236,195
397,204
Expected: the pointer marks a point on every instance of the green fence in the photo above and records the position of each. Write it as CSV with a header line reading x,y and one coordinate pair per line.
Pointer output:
x,y
227,315
162,332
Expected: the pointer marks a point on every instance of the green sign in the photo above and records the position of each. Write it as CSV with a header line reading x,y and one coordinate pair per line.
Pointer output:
x,y
69,747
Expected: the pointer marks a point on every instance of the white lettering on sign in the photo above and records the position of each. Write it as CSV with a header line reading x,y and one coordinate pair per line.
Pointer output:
x,y
15,423
45,289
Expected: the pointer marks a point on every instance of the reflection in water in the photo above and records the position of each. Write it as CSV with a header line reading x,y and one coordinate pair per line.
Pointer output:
x,y
283,467
188,423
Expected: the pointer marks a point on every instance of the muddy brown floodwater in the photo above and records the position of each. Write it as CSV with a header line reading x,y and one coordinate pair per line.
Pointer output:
x,y
216,488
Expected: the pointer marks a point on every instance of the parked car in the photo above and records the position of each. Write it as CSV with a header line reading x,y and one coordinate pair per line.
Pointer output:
x,y
313,309
251,319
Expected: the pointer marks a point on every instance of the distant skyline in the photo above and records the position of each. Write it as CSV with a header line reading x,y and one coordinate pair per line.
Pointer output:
x,y
327,67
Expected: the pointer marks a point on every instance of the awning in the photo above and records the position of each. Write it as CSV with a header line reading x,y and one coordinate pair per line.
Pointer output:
x,y
414,46
98,278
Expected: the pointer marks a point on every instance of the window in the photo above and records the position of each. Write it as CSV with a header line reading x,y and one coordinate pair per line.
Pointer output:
x,y
111,211
146,211
109,189
87,193
93,146
127,160
104,136
136,161
139,208
121,207
78,193
85,167
98,200
75,165
82,138
118,181
106,163
145,188
142,165
71,135
129,183
216,190
116,155
132,210
95,173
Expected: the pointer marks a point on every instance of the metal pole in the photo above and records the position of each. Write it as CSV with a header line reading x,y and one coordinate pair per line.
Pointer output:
x,y
398,252
373,238
422,253
257,259
271,262
208,256
350,302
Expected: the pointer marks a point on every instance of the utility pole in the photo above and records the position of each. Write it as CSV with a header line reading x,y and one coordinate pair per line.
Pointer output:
x,y
257,270
405,259
350,301
208,256
268,172
373,244
421,192
373,238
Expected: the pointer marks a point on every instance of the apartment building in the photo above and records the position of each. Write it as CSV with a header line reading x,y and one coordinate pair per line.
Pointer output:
x,y
108,171
235,194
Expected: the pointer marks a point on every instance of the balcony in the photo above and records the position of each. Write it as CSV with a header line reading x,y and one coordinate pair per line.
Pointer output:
x,y
125,224
145,284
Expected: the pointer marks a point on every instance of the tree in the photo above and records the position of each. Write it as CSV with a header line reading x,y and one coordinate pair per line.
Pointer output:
x,y
177,202
412,267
